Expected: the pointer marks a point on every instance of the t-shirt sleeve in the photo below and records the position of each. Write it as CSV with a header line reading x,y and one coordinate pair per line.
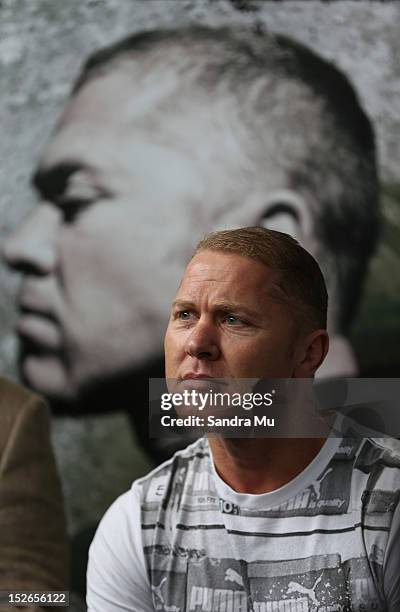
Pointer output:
x,y
117,578
391,568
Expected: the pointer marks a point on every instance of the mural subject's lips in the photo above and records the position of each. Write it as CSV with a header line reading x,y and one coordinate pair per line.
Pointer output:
x,y
36,302
39,329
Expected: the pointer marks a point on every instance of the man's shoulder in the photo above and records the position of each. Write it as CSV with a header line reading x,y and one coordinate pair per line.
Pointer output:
x,y
379,452
195,458
197,450
378,458
378,467
373,449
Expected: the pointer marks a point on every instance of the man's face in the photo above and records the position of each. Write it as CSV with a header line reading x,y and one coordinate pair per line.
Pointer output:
x,y
224,324
104,248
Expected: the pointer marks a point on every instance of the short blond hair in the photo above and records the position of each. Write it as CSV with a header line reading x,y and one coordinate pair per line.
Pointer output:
x,y
300,283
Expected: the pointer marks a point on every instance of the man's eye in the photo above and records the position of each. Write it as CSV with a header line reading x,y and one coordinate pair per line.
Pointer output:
x,y
233,320
184,315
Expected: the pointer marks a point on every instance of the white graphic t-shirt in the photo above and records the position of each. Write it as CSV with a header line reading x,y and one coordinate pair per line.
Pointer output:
x,y
181,540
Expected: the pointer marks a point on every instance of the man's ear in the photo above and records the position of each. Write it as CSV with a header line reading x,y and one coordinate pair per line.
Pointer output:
x,y
287,211
311,353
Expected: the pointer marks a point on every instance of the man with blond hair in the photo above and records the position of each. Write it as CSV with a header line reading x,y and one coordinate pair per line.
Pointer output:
x,y
253,524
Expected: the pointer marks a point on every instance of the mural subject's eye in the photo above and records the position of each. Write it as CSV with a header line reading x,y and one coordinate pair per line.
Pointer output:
x,y
72,207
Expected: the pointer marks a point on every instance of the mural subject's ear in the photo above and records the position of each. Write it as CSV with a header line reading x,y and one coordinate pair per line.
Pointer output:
x,y
287,211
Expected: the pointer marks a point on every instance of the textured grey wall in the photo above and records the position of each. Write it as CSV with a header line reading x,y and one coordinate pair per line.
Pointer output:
x,y
42,45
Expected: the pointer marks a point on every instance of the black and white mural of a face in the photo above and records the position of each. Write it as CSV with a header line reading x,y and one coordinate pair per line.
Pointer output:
x,y
102,252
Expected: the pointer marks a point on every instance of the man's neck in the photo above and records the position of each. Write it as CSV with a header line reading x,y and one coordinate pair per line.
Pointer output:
x,y
262,465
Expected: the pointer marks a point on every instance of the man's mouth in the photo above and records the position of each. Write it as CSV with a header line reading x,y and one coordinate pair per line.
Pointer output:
x,y
196,376
200,382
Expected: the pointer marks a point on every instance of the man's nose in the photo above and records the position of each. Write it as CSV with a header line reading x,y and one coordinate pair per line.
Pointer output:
x,y
203,342
31,248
